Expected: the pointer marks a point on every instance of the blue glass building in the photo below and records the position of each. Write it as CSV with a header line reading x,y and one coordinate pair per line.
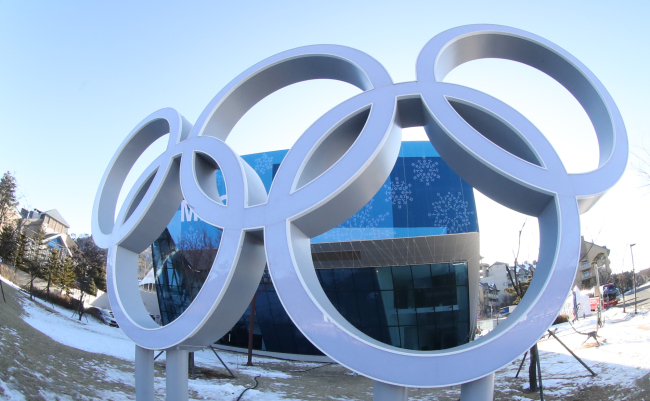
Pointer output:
x,y
403,270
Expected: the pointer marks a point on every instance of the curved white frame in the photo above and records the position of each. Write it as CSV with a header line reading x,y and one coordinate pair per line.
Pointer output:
x,y
334,169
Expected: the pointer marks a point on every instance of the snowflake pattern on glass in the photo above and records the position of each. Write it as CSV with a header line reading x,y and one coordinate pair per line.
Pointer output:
x,y
425,170
398,192
451,211
263,163
364,218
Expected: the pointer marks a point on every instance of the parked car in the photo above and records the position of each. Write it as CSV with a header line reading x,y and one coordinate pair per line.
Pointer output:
x,y
104,315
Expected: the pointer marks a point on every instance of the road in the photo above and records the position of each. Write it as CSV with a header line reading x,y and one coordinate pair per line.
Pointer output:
x,y
642,299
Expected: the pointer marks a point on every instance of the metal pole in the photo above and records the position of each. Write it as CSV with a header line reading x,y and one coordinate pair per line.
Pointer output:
x,y
571,352
176,374
144,390
478,390
191,363
389,392
251,327
633,277
521,364
221,360
539,374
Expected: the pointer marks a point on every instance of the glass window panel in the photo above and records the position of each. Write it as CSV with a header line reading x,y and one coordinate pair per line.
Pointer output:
x,y
402,279
462,297
427,337
446,317
409,336
363,279
384,278
277,310
368,312
442,276
445,296
421,276
388,300
302,345
405,299
333,299
263,309
326,278
269,336
463,332
348,307
392,337
426,316
285,335
373,332
407,316
448,337
461,273
343,279
424,298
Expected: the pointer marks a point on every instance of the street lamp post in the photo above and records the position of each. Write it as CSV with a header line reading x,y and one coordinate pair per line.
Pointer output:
x,y
633,277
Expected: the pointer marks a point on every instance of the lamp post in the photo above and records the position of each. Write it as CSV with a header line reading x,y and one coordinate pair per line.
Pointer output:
x,y
633,277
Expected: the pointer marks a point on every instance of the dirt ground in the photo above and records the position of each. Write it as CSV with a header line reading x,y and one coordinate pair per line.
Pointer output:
x,y
42,369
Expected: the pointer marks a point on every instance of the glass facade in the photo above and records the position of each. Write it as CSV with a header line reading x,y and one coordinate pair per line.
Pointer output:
x,y
420,307
181,268
412,306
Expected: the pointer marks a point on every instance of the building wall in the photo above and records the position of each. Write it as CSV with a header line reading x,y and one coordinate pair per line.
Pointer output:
x,y
592,257
392,286
497,274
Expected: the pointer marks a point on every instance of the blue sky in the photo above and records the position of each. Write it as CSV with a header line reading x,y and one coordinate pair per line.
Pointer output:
x,y
76,77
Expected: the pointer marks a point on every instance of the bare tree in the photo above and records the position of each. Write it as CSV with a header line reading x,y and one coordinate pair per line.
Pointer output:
x,y
520,291
641,165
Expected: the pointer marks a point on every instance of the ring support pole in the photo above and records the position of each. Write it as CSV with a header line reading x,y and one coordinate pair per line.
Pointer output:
x,y
176,374
143,374
389,392
478,390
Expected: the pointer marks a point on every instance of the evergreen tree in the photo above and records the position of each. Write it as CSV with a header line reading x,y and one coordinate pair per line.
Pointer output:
x,y
67,278
8,201
8,243
36,259
52,269
92,259
20,256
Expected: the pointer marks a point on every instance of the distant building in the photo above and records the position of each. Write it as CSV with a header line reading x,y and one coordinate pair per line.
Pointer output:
x,y
488,296
525,271
496,275
403,270
54,225
593,258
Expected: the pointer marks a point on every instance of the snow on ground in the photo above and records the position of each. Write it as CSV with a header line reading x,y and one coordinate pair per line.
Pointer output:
x,y
92,336
11,394
620,360
639,288
85,335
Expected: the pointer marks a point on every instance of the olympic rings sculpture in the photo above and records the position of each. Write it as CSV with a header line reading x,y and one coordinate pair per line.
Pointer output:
x,y
334,169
